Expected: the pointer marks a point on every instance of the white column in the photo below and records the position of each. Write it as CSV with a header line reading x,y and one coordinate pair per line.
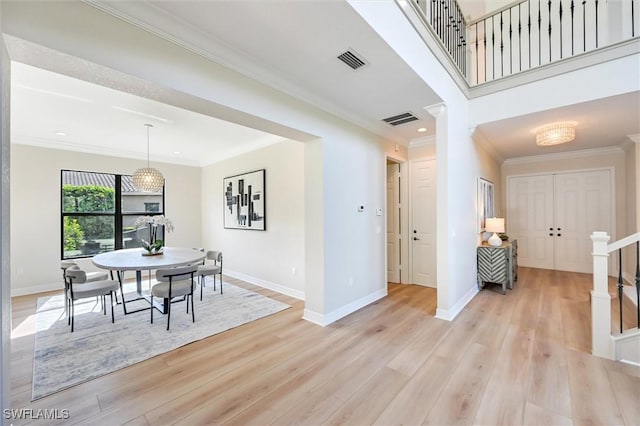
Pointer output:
x,y
439,112
600,298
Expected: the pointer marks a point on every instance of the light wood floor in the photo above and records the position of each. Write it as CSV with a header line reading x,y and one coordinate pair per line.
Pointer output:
x,y
515,359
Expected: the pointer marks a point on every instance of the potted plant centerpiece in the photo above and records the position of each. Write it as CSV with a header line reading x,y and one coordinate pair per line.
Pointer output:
x,y
155,245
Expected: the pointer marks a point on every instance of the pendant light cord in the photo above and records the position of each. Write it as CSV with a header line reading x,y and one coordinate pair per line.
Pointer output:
x,y
148,126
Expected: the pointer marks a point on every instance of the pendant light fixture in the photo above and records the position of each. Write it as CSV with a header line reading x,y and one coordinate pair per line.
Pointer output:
x,y
148,179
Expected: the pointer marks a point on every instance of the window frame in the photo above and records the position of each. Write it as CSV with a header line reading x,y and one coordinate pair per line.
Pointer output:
x,y
118,214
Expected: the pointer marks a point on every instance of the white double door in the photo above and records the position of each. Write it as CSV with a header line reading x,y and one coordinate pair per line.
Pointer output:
x,y
553,215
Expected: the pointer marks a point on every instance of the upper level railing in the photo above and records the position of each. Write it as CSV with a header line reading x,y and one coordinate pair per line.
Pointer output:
x,y
528,34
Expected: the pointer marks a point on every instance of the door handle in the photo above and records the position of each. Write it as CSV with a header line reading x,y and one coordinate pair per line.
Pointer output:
x,y
416,239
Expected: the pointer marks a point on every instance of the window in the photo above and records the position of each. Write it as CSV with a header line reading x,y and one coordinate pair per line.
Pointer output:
x,y
99,212
152,207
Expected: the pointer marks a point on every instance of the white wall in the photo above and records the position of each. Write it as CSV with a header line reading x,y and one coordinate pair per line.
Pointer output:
x,y
344,164
560,90
35,209
265,258
458,162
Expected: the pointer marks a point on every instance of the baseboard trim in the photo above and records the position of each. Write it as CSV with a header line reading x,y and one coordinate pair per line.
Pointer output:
x,y
324,320
296,294
42,288
450,314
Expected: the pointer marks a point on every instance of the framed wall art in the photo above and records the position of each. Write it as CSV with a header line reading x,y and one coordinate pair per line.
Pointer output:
x,y
245,201
485,202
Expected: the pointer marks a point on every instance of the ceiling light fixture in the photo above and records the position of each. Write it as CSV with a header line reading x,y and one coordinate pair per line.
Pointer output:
x,y
422,129
555,133
61,134
148,179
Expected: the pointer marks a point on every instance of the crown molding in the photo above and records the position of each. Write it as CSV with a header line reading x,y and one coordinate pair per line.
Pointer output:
x,y
564,155
103,151
188,37
477,136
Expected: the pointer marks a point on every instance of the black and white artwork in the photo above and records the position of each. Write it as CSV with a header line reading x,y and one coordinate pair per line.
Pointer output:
x,y
245,202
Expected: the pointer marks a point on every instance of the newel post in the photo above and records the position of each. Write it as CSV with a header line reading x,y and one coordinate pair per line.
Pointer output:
x,y
600,298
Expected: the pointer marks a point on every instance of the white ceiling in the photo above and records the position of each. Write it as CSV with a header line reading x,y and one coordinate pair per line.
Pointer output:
x,y
291,46
97,119
603,123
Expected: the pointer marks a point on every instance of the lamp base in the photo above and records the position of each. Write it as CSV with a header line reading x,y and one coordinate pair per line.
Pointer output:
x,y
494,240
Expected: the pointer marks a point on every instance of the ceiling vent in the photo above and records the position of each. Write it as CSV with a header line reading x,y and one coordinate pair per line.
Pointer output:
x,y
352,59
403,118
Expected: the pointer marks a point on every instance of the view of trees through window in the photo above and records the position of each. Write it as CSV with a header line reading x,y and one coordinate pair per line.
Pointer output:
x,y
99,211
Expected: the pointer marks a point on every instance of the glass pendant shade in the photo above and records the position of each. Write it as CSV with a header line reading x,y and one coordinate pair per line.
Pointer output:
x,y
555,134
147,179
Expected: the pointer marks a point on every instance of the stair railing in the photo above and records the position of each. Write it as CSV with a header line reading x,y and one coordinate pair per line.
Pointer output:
x,y
528,33
602,343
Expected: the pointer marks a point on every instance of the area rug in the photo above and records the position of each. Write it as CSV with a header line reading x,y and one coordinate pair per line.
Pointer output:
x,y
97,347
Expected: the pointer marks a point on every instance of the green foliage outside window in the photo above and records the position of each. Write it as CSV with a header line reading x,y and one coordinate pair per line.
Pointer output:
x,y
87,199
73,234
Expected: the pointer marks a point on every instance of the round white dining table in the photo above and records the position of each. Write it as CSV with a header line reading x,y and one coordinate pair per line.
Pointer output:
x,y
133,260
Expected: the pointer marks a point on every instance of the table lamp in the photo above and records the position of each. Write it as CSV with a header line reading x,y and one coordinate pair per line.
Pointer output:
x,y
495,225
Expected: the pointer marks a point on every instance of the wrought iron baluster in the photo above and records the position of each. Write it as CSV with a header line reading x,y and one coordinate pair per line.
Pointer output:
x,y
584,27
501,46
539,34
477,59
520,36
633,34
510,43
561,38
572,7
549,30
620,285
596,24
484,48
493,48
529,28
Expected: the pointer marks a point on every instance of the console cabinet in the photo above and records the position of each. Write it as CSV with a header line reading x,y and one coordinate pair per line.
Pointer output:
x,y
498,265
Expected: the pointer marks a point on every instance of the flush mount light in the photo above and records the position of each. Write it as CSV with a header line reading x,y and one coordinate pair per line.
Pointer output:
x,y
555,133
147,179
422,129
61,134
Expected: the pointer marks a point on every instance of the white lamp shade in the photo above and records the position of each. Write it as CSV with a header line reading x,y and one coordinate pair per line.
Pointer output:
x,y
494,224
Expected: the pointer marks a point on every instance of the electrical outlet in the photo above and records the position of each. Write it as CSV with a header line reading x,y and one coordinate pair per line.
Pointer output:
x,y
293,270
350,281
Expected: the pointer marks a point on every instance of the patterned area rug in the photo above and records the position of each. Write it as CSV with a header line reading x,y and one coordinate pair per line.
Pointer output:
x,y
97,347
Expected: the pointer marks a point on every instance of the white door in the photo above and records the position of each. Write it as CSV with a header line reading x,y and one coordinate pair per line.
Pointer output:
x,y
530,219
552,217
423,222
393,223
583,205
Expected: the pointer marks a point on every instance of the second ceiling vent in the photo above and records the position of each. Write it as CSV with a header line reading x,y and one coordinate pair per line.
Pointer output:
x,y
396,120
352,59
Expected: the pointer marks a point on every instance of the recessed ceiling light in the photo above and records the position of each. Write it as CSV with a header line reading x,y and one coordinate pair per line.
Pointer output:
x,y
61,134
177,152
422,129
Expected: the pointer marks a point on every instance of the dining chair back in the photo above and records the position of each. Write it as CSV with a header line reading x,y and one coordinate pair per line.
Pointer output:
x,y
212,266
174,282
80,284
